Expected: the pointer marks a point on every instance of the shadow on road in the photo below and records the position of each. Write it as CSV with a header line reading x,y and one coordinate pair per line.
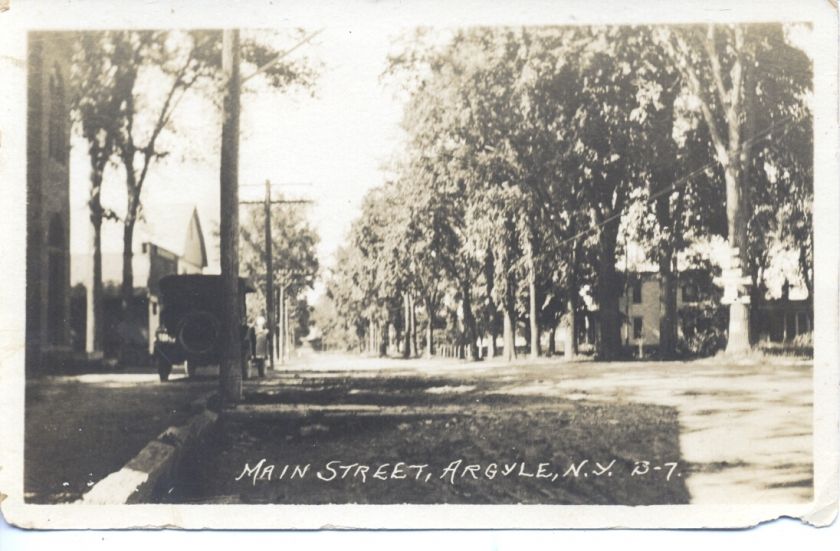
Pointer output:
x,y
475,443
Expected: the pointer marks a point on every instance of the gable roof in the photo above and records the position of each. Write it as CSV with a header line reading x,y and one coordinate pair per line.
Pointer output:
x,y
175,227
166,225
194,249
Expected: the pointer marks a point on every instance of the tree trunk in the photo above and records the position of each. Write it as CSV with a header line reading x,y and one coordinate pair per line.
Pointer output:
x,y
384,339
667,302
127,290
509,321
508,331
393,339
492,321
552,347
429,328
407,327
732,156
127,265
570,344
413,312
532,311
608,291
93,333
738,340
491,341
470,330
664,173
805,268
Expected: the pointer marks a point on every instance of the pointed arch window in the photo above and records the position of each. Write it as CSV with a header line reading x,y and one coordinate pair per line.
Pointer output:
x,y
56,122
57,283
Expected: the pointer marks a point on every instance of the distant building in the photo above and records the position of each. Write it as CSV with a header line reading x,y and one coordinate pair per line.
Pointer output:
x,y
642,310
47,201
168,241
784,319
778,320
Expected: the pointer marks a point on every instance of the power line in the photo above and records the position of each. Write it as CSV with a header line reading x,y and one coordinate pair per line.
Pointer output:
x,y
281,55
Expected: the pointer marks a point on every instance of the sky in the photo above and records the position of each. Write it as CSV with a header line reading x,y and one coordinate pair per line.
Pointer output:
x,y
335,142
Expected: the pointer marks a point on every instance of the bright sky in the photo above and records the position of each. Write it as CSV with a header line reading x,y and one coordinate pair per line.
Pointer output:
x,y
336,141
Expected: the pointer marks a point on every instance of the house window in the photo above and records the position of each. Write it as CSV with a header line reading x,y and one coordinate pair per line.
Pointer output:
x,y
154,308
637,328
637,291
689,292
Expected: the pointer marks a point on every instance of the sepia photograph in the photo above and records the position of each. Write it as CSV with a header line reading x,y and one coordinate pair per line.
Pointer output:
x,y
290,262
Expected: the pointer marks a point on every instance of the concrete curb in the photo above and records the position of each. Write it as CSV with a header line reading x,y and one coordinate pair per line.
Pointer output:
x,y
156,463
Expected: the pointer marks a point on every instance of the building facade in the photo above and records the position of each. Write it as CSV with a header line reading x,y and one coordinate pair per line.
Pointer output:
x,y
642,310
48,204
167,243
778,320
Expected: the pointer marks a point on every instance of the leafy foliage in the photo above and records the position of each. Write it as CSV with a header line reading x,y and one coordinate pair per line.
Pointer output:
x,y
534,155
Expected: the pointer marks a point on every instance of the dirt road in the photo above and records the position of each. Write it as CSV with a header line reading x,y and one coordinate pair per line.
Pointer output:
x,y
739,432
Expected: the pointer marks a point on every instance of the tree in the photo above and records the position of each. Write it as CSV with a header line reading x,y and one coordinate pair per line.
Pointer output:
x,y
157,71
295,259
347,298
101,89
728,69
528,152
138,148
603,166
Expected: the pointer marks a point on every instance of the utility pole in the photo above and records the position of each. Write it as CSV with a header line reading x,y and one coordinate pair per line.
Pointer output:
x,y
230,368
269,277
287,323
281,333
271,320
230,364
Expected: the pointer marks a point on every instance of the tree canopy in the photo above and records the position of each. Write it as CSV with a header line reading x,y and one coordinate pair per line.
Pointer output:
x,y
535,156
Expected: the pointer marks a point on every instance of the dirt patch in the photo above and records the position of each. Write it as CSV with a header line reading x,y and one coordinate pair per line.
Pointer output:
x,y
516,435
80,429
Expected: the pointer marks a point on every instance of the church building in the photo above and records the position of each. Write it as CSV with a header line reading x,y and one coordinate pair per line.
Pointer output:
x,y
47,201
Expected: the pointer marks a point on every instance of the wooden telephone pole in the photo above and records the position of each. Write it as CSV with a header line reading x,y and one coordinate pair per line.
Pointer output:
x,y
230,365
270,308
269,277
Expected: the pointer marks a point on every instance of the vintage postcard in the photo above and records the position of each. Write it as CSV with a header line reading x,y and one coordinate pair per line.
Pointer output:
x,y
428,264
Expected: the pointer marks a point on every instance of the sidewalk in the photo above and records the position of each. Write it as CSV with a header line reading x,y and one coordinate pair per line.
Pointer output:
x,y
79,429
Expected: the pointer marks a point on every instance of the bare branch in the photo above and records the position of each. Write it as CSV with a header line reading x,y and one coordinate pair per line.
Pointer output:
x,y
709,45
687,70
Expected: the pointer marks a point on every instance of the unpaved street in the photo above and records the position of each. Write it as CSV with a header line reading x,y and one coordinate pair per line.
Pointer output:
x,y
740,432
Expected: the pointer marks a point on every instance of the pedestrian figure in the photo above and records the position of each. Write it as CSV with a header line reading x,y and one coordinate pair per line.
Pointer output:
x,y
261,350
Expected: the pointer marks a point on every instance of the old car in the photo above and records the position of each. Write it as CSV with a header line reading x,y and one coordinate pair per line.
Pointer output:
x,y
190,323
